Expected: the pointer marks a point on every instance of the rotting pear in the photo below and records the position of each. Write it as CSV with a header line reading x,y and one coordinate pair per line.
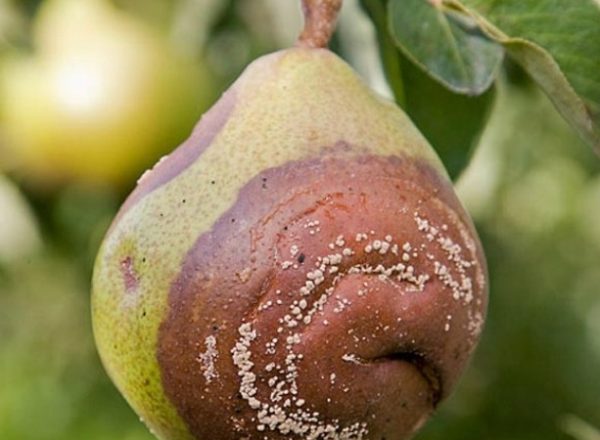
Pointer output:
x,y
299,268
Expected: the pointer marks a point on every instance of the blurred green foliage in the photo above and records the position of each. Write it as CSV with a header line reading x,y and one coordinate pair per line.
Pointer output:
x,y
529,188
533,188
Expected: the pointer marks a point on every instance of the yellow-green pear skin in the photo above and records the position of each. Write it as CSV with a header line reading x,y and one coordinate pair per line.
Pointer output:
x,y
299,268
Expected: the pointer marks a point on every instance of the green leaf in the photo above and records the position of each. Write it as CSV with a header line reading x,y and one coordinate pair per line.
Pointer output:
x,y
446,43
558,43
451,122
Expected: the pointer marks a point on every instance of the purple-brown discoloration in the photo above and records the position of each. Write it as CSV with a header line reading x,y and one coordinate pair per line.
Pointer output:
x,y
185,155
380,350
130,278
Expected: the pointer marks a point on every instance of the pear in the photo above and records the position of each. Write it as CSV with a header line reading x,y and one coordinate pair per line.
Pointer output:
x,y
300,268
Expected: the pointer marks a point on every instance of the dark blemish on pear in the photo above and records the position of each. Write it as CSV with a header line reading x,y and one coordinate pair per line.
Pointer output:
x,y
130,278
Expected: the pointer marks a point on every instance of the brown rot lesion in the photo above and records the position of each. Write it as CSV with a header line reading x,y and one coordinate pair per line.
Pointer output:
x,y
338,321
388,262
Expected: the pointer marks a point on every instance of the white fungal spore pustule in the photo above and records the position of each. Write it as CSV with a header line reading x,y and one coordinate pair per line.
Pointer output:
x,y
208,359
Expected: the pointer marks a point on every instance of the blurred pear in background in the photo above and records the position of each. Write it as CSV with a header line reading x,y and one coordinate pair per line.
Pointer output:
x,y
101,96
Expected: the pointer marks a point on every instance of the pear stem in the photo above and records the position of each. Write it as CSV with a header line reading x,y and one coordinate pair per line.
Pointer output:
x,y
320,17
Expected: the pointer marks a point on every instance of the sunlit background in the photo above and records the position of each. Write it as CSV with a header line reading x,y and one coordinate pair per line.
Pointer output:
x,y
93,92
